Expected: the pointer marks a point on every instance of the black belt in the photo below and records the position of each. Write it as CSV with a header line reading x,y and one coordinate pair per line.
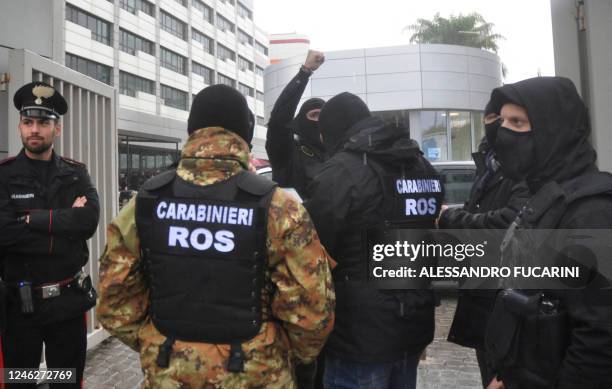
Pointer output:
x,y
48,291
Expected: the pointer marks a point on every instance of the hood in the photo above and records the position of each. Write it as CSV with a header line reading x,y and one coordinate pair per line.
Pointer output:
x,y
212,154
560,125
337,117
387,143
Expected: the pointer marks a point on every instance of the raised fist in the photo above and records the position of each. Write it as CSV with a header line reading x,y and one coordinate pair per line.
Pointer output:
x,y
314,60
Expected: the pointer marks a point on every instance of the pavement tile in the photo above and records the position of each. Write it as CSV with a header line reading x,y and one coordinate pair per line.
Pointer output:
x,y
112,365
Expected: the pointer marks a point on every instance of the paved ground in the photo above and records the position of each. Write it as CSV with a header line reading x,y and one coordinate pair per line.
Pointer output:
x,y
113,366
448,365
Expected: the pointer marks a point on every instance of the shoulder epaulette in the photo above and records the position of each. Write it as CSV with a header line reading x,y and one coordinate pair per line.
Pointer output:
x,y
7,160
72,161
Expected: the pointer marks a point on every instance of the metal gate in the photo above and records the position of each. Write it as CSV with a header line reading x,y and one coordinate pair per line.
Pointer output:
x,y
89,135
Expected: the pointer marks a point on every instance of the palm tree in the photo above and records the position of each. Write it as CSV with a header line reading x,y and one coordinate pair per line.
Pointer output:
x,y
465,30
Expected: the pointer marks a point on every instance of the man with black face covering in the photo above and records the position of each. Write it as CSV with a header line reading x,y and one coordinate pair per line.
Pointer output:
x,y
494,203
566,342
294,145
379,334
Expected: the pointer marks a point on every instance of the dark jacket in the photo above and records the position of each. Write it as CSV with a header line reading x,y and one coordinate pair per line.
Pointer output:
x,y
52,247
564,159
494,202
295,160
583,354
347,197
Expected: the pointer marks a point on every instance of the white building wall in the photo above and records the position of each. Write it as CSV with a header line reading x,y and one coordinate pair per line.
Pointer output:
x,y
48,33
101,9
79,42
141,22
401,78
584,56
408,77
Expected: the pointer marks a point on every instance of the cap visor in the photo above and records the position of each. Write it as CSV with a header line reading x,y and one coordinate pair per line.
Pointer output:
x,y
38,113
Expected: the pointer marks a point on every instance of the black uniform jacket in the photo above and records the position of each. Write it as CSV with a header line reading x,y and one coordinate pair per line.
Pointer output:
x,y
346,197
494,202
52,247
295,160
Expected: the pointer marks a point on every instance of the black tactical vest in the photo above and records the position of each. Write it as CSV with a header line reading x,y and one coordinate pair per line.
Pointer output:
x,y
410,204
516,334
204,249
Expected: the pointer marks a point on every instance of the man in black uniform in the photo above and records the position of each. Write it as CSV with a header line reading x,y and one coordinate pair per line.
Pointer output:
x,y
48,209
294,146
378,335
494,203
565,340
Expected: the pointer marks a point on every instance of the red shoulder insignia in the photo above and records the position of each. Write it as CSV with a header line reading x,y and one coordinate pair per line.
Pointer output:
x,y
7,160
72,161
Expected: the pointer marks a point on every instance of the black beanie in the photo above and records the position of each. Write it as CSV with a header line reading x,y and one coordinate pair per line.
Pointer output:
x,y
337,117
221,106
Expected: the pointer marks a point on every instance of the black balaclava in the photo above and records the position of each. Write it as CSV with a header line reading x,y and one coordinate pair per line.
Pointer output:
x,y
307,129
337,117
560,131
221,106
491,128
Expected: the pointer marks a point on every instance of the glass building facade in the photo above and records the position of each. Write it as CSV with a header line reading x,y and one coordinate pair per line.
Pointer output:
x,y
445,135
138,163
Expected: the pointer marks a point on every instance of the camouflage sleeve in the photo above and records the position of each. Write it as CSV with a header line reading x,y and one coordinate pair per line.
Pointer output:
x,y
301,271
123,302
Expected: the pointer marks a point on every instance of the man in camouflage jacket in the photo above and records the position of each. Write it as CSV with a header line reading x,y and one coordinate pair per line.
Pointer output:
x,y
301,302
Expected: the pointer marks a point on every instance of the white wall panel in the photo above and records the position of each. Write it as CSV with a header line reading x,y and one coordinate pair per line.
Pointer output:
x,y
173,79
140,24
444,62
173,43
393,63
341,67
445,81
333,86
390,82
173,113
394,100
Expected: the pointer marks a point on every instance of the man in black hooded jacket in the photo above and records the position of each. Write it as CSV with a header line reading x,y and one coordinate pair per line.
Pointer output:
x,y
294,145
494,203
378,335
544,139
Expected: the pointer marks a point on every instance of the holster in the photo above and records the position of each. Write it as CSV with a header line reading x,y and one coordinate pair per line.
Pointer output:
x,y
85,284
527,336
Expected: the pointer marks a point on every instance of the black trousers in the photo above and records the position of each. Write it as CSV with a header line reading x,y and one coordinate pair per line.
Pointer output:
x,y
65,347
486,370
